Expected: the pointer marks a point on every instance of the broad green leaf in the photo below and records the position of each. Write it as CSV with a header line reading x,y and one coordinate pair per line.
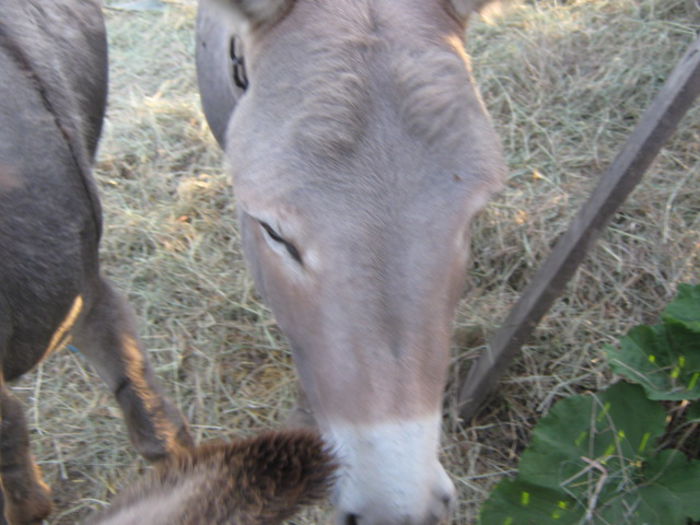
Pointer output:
x,y
593,460
614,429
653,505
685,308
664,359
586,457
666,493
672,471
519,503
642,505
693,413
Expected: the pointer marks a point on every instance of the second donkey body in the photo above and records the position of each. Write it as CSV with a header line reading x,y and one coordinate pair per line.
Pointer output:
x,y
53,87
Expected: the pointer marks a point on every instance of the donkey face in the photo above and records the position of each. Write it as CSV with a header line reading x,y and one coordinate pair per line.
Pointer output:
x,y
360,152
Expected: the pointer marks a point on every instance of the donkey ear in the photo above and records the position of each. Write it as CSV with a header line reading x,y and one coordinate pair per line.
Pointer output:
x,y
254,13
465,7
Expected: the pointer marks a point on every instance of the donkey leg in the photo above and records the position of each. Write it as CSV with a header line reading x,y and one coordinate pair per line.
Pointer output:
x,y
27,499
107,338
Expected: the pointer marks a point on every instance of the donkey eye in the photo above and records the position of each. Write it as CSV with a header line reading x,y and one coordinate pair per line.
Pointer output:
x,y
276,237
272,233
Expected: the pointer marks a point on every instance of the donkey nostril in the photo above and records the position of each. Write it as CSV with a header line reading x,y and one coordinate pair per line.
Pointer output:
x,y
447,501
352,519
444,504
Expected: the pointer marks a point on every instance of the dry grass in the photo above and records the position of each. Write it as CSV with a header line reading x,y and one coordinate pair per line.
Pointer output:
x,y
565,82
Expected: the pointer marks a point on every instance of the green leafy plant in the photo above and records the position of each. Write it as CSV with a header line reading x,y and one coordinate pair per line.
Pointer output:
x,y
694,413
665,358
595,458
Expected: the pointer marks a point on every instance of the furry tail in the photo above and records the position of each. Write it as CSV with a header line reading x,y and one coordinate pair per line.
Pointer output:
x,y
266,479
281,471
258,481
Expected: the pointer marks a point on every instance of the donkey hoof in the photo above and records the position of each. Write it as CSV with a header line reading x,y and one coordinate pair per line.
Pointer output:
x,y
33,510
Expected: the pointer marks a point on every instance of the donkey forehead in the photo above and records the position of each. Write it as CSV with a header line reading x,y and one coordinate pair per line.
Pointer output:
x,y
363,201
414,189
360,99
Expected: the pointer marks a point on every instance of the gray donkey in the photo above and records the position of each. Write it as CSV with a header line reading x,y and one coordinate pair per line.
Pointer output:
x,y
53,88
360,151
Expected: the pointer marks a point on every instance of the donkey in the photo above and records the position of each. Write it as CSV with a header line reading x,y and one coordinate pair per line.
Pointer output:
x,y
360,150
258,481
53,88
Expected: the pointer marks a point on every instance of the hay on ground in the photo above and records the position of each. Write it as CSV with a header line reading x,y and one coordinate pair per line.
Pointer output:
x,y
565,82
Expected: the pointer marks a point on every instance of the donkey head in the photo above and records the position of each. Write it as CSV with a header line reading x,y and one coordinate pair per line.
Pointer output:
x,y
360,152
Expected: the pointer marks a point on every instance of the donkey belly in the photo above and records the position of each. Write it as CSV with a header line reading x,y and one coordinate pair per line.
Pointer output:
x,y
48,263
48,224
35,332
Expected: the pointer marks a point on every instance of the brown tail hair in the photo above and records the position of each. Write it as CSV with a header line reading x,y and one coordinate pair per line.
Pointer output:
x,y
258,481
